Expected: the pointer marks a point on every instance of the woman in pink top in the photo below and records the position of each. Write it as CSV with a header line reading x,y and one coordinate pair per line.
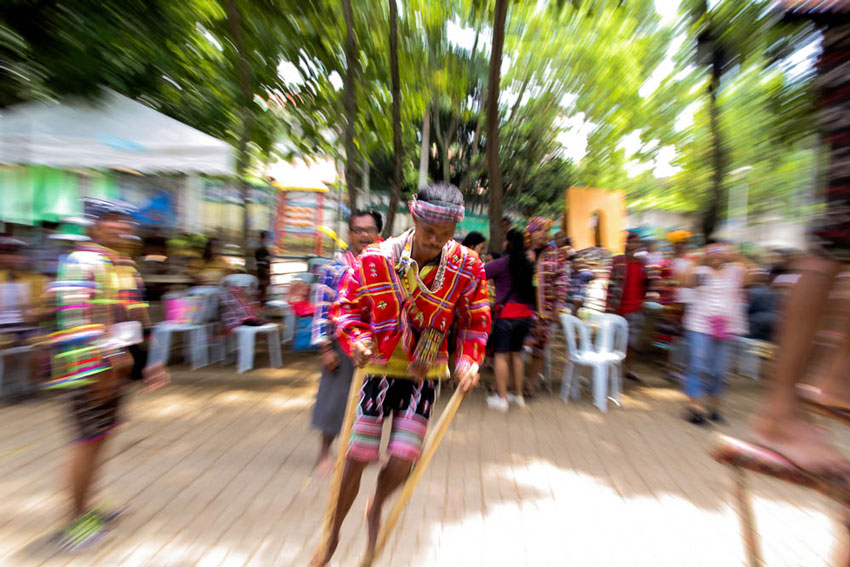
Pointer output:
x,y
715,316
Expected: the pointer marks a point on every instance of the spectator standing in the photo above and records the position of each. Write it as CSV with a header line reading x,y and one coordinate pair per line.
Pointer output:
x,y
262,259
628,287
716,314
476,242
513,314
551,281
337,368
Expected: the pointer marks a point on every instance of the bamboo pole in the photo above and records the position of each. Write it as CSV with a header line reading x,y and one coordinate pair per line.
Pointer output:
x,y
342,453
431,444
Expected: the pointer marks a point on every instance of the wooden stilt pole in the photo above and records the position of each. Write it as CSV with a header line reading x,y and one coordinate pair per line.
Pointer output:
x,y
342,453
748,520
428,450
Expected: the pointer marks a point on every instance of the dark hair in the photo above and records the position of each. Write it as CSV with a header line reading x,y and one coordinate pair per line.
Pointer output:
x,y
520,267
438,193
208,249
264,234
379,220
473,239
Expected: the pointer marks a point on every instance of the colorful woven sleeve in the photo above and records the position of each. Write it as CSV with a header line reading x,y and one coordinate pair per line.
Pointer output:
x,y
473,317
350,311
324,294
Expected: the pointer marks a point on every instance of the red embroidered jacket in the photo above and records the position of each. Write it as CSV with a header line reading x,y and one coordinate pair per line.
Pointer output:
x,y
373,303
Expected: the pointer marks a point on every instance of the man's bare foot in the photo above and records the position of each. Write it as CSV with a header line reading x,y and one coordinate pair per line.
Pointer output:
x,y
323,556
373,522
801,442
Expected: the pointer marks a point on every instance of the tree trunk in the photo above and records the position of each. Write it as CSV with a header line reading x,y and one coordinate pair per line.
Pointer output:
x,y
365,182
425,150
494,173
350,99
718,155
245,79
395,185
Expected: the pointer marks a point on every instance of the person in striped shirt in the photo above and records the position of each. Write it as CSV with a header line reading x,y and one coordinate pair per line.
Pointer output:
x,y
93,296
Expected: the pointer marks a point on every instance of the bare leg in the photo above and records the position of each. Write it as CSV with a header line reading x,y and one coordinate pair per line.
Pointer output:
x,y
519,371
534,370
391,477
84,464
501,369
348,490
780,424
323,463
830,384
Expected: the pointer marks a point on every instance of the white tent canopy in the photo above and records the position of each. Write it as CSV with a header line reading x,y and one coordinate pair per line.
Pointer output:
x,y
112,132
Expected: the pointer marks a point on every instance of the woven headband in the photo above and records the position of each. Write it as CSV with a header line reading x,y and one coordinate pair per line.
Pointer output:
x,y
433,213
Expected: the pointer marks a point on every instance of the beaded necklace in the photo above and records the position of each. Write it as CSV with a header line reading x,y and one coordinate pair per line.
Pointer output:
x,y
405,264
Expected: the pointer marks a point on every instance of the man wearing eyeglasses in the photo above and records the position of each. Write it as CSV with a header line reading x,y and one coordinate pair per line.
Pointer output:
x,y
337,368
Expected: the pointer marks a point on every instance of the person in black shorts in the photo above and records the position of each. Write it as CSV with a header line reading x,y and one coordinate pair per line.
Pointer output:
x,y
513,317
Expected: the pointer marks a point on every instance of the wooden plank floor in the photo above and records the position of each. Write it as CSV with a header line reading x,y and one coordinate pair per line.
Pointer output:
x,y
217,470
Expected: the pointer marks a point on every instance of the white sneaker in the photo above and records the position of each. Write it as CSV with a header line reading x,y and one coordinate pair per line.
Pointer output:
x,y
518,401
494,402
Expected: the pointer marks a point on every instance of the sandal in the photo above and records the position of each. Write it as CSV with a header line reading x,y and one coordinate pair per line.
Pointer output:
x,y
806,394
753,457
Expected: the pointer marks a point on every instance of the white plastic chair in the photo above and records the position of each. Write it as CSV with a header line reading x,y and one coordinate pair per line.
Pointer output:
x,y
196,349
245,336
581,351
288,318
210,316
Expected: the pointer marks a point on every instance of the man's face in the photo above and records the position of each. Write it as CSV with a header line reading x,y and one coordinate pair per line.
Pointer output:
x,y
429,239
539,239
362,231
111,231
632,245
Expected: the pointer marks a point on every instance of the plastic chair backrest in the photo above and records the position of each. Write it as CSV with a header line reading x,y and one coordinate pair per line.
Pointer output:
x,y
211,296
240,280
577,335
613,335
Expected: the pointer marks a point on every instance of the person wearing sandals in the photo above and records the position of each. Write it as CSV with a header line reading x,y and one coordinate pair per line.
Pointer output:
x,y
716,314
780,424
513,316
337,368
90,361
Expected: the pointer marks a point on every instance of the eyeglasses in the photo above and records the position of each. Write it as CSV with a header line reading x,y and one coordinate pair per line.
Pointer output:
x,y
363,230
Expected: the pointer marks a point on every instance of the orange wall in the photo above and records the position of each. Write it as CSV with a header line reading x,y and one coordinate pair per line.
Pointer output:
x,y
582,202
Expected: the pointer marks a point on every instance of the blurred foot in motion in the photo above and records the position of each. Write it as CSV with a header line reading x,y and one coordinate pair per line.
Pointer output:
x,y
781,425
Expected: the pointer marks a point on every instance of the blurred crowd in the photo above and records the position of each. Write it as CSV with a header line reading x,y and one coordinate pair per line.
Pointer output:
x,y
700,309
